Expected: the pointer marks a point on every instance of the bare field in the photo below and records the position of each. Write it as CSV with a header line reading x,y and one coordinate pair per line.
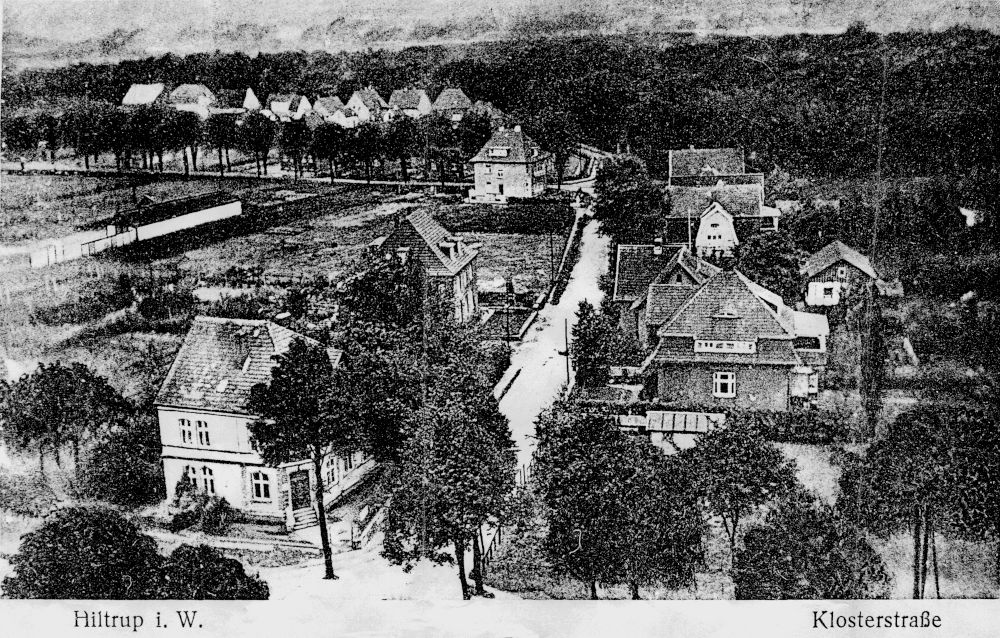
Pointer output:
x,y
526,258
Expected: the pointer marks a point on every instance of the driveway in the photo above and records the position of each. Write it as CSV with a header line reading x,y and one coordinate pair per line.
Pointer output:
x,y
542,369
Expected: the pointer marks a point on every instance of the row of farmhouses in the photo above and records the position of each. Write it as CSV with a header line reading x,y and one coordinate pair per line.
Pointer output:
x,y
364,105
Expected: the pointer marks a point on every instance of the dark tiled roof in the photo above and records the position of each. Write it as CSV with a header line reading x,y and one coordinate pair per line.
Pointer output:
x,y
191,94
328,105
638,266
663,301
834,252
517,146
711,180
230,98
452,99
718,161
406,98
208,372
738,200
293,101
370,98
725,308
423,236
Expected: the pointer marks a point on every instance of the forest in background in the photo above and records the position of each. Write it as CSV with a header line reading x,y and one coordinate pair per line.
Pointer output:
x,y
807,104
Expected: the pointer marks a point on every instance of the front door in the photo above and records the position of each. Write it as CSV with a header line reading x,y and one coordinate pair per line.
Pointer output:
x,y
300,489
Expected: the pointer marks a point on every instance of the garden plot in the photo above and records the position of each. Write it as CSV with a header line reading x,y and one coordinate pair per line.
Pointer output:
x,y
525,258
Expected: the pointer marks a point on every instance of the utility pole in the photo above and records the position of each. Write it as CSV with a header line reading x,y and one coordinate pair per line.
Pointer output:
x,y
566,334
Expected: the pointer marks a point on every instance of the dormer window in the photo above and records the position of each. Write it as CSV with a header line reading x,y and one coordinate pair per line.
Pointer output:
x,y
499,151
448,248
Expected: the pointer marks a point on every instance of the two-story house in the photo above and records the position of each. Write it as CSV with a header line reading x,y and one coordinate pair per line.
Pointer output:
x,y
367,105
446,260
510,164
714,218
729,341
453,104
203,419
411,102
834,272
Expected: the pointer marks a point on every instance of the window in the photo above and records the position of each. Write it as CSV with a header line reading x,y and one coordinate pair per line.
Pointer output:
x,y
747,347
842,272
191,476
828,291
499,172
260,484
203,438
680,278
187,434
348,462
208,479
724,385
487,168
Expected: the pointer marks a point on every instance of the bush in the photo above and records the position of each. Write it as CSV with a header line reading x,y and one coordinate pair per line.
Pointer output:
x,y
25,495
124,466
85,553
211,514
203,573
572,257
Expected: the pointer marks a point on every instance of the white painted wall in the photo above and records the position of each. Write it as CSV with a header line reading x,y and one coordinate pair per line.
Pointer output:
x,y
716,232
816,293
183,222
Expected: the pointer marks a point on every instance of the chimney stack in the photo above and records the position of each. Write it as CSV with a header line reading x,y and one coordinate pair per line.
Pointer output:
x,y
658,246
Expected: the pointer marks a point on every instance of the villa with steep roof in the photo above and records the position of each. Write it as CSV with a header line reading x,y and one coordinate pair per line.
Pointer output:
x,y
411,102
716,217
510,165
729,341
834,272
203,413
445,258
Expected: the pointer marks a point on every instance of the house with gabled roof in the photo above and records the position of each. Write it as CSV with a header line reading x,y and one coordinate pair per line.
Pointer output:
x,y
287,106
715,218
729,341
834,272
411,102
203,414
445,258
368,105
510,164
145,94
453,104
706,162
234,102
196,98
649,279
333,110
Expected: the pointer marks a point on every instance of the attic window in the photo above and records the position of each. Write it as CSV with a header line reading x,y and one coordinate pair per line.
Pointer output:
x,y
727,312
499,151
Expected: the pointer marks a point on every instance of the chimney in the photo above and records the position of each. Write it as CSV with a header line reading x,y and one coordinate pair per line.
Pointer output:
x,y
658,246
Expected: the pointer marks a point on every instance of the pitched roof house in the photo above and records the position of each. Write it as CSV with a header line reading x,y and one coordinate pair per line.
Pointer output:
x,y
835,271
287,106
145,94
452,103
510,164
203,411
196,98
729,341
715,217
706,161
235,101
445,258
368,105
411,102
332,109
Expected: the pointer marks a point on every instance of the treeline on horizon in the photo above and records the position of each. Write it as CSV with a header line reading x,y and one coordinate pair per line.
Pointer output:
x,y
808,104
